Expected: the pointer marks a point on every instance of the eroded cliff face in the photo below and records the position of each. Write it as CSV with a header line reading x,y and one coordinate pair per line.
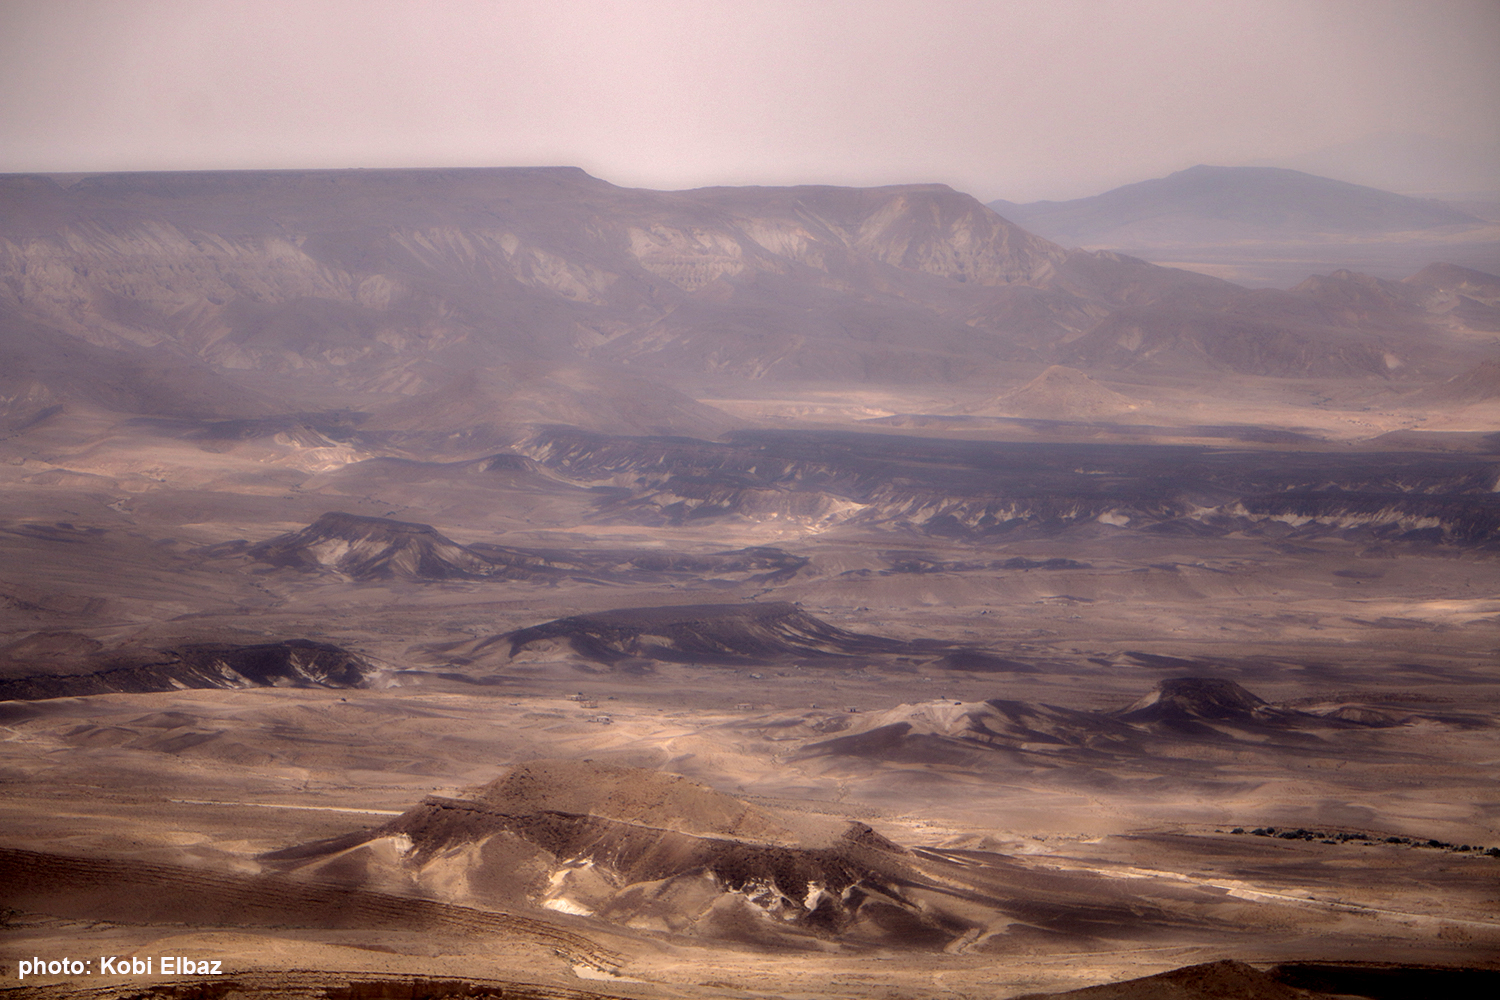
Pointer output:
x,y
329,269
458,306
398,282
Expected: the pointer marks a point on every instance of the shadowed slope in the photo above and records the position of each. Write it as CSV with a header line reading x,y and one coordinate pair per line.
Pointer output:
x,y
293,663
650,851
1231,980
1225,980
712,633
644,849
370,548
999,732
978,489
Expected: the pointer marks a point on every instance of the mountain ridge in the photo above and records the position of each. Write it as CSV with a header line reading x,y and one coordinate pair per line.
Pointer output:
x,y
461,307
1208,202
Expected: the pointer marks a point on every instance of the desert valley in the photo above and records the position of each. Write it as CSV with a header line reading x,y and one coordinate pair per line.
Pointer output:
x,y
501,583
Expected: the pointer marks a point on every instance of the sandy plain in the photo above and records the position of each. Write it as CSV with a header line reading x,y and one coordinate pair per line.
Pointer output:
x,y
501,583
1070,855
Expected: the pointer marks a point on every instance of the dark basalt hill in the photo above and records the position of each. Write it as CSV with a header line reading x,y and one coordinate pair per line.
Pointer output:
x,y
291,663
1198,698
1223,980
1215,706
372,548
1388,980
707,633
1466,519
1232,980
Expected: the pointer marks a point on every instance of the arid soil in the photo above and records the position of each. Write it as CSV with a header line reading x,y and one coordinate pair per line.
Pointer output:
x,y
903,738
1153,636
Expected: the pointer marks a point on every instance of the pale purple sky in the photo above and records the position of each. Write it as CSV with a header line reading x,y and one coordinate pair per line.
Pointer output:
x,y
1053,99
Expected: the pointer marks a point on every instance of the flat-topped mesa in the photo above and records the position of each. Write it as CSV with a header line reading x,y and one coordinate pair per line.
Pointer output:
x,y
637,847
929,228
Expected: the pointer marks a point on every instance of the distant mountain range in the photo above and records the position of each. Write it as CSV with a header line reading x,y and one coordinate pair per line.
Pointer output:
x,y
455,308
1269,226
1206,204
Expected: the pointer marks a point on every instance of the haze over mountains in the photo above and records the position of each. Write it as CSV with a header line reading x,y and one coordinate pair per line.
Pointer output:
x,y
1261,224
500,583
1220,204
1410,163
460,305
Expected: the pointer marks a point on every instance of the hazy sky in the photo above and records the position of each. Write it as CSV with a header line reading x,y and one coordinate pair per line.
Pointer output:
x,y
1045,98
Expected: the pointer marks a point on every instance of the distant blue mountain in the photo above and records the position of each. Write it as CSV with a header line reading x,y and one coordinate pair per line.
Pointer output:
x,y
1223,204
